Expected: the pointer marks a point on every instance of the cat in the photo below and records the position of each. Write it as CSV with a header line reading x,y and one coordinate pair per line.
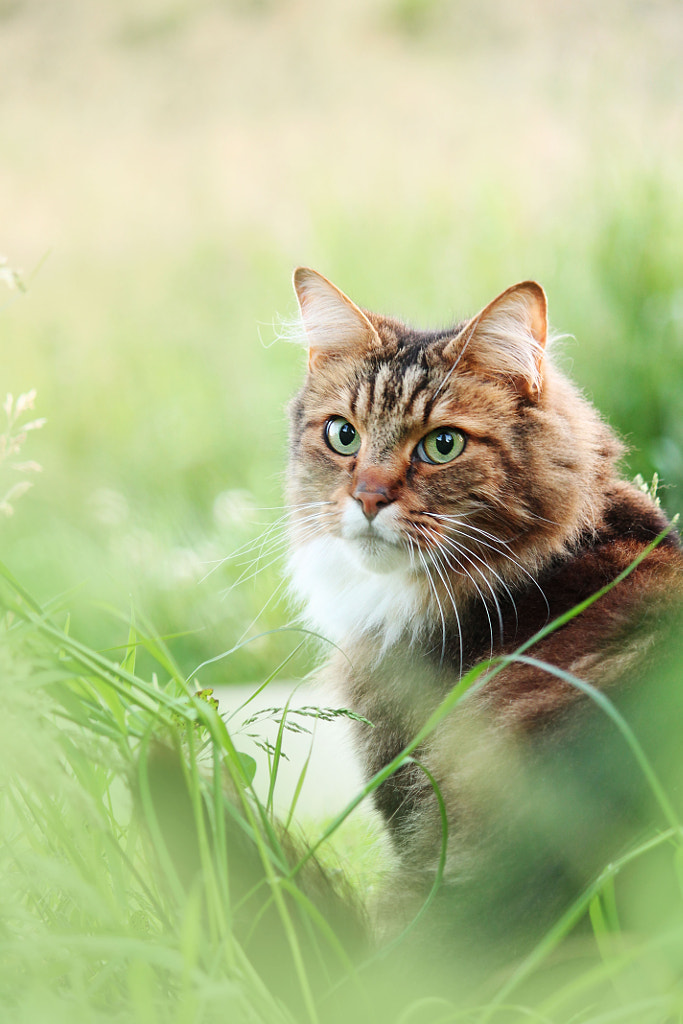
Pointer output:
x,y
500,604
452,493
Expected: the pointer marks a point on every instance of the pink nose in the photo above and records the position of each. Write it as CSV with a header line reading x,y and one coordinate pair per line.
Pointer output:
x,y
371,501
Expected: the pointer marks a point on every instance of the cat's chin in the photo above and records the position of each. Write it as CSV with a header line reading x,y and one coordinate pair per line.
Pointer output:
x,y
375,546
374,554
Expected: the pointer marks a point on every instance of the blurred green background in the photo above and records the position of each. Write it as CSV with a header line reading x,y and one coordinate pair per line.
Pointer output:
x,y
165,163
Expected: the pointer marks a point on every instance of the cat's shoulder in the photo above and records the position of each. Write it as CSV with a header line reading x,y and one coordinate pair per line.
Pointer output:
x,y
630,514
632,539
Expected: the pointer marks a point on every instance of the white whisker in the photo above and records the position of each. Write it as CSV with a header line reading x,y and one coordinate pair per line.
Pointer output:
x,y
438,602
437,565
411,550
458,520
288,509
501,548
473,327
438,542
503,554
261,538
277,549
470,556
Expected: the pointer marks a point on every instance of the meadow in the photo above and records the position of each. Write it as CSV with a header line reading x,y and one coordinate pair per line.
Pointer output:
x,y
164,167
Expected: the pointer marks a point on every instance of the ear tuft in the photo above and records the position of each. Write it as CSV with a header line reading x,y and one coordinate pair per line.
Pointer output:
x,y
334,325
507,338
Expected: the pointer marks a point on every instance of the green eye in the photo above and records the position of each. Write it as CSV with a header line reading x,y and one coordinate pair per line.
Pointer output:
x,y
342,436
441,445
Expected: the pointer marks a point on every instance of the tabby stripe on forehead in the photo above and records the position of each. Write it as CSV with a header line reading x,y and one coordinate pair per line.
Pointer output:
x,y
388,398
370,396
420,386
428,407
354,397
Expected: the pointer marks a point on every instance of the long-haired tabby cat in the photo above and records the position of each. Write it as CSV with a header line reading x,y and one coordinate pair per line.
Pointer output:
x,y
453,493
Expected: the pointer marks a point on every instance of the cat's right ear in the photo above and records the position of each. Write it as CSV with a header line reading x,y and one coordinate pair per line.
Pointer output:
x,y
334,325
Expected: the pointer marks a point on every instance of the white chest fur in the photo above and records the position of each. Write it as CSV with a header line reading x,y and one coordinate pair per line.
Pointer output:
x,y
344,600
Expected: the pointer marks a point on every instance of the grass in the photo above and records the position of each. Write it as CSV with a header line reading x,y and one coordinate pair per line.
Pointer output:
x,y
143,880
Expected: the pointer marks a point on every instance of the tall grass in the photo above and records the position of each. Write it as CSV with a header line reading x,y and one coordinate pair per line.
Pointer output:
x,y
143,880
97,924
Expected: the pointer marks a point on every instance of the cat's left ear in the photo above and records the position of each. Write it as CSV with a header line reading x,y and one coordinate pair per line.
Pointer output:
x,y
507,339
334,325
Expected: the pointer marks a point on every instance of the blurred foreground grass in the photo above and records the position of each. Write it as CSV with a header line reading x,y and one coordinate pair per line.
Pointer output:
x,y
143,881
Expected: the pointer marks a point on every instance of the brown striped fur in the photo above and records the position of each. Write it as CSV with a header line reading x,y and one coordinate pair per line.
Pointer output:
x,y
463,560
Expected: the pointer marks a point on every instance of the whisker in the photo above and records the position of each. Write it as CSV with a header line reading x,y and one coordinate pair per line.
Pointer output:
x,y
245,548
411,550
268,546
454,546
437,565
445,555
291,508
304,522
480,506
262,537
470,555
509,557
469,526
473,327
274,553
438,602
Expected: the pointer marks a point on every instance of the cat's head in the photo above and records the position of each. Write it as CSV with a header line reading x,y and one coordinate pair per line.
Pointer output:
x,y
458,455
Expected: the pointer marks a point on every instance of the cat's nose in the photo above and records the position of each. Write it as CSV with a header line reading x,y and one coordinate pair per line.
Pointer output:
x,y
372,491
371,501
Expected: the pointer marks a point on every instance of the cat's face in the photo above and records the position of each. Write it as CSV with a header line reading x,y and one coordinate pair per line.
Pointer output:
x,y
436,455
393,443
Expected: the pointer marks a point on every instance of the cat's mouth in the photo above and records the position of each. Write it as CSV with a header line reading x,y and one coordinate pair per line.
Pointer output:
x,y
371,539
374,533
376,545
377,554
